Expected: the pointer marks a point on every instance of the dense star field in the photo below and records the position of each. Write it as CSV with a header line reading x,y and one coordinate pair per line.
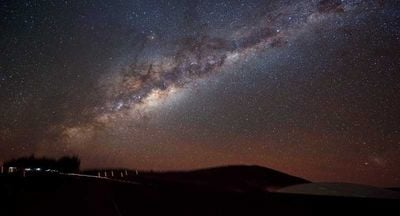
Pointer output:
x,y
310,88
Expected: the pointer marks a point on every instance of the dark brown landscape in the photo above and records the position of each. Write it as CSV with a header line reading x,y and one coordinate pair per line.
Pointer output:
x,y
231,190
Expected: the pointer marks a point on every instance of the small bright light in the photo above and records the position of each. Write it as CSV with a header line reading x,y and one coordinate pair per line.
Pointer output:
x,y
38,169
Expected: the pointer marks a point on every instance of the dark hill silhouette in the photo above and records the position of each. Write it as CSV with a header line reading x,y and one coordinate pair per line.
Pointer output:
x,y
224,178
235,178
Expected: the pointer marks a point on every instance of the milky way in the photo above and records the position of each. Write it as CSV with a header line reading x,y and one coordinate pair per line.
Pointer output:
x,y
306,87
144,83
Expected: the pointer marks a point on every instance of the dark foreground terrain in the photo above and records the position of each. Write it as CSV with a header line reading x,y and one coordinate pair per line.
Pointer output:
x,y
61,194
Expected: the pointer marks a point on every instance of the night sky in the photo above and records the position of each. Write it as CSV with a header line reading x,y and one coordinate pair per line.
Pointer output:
x,y
310,88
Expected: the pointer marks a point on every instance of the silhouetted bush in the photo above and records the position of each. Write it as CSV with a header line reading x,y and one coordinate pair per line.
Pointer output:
x,y
64,164
69,164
